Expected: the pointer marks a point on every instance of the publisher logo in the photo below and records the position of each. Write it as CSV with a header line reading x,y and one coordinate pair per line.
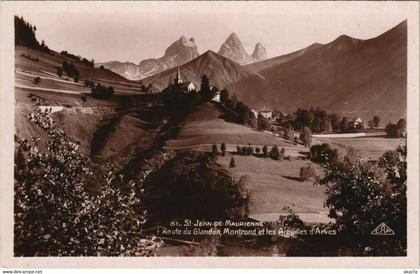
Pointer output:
x,y
382,230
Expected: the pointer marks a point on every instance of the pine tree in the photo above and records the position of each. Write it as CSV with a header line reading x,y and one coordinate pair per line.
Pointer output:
x,y
232,163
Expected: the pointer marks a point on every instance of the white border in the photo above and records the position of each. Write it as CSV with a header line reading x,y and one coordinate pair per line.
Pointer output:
x,y
8,9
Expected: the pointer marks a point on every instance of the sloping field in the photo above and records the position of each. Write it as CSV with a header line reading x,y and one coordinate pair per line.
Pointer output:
x,y
204,127
368,147
32,63
272,184
276,184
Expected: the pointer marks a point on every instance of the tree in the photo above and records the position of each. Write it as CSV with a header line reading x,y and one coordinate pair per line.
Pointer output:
x,y
288,132
306,136
307,172
205,90
224,96
262,123
326,126
316,124
238,149
214,150
25,34
402,124
335,121
376,120
250,150
60,71
223,149
396,130
274,153
344,124
361,195
265,151
232,162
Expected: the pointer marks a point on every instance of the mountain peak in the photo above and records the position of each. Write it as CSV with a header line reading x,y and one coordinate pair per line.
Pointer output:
x,y
233,36
186,42
260,53
233,49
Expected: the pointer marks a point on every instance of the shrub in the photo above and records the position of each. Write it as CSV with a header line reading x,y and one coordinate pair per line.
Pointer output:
x,y
37,80
307,172
244,151
296,140
257,150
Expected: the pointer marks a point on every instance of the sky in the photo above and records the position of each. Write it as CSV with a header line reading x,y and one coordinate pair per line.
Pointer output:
x,y
140,31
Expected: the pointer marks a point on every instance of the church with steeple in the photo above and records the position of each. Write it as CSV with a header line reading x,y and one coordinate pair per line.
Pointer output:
x,y
180,85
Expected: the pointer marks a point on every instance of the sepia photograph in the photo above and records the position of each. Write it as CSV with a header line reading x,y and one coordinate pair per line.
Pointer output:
x,y
227,129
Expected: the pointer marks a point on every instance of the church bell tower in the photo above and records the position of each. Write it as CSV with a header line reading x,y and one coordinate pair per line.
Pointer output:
x,y
178,79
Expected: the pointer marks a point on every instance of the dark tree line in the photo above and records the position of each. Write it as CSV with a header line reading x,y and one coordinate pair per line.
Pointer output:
x,y
239,111
77,58
70,69
317,120
396,130
25,36
102,92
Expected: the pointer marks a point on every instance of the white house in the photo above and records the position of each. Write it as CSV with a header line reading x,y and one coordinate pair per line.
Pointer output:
x,y
357,123
266,112
216,97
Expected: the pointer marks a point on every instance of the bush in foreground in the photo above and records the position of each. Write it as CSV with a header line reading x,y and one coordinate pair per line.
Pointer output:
x,y
56,216
361,195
